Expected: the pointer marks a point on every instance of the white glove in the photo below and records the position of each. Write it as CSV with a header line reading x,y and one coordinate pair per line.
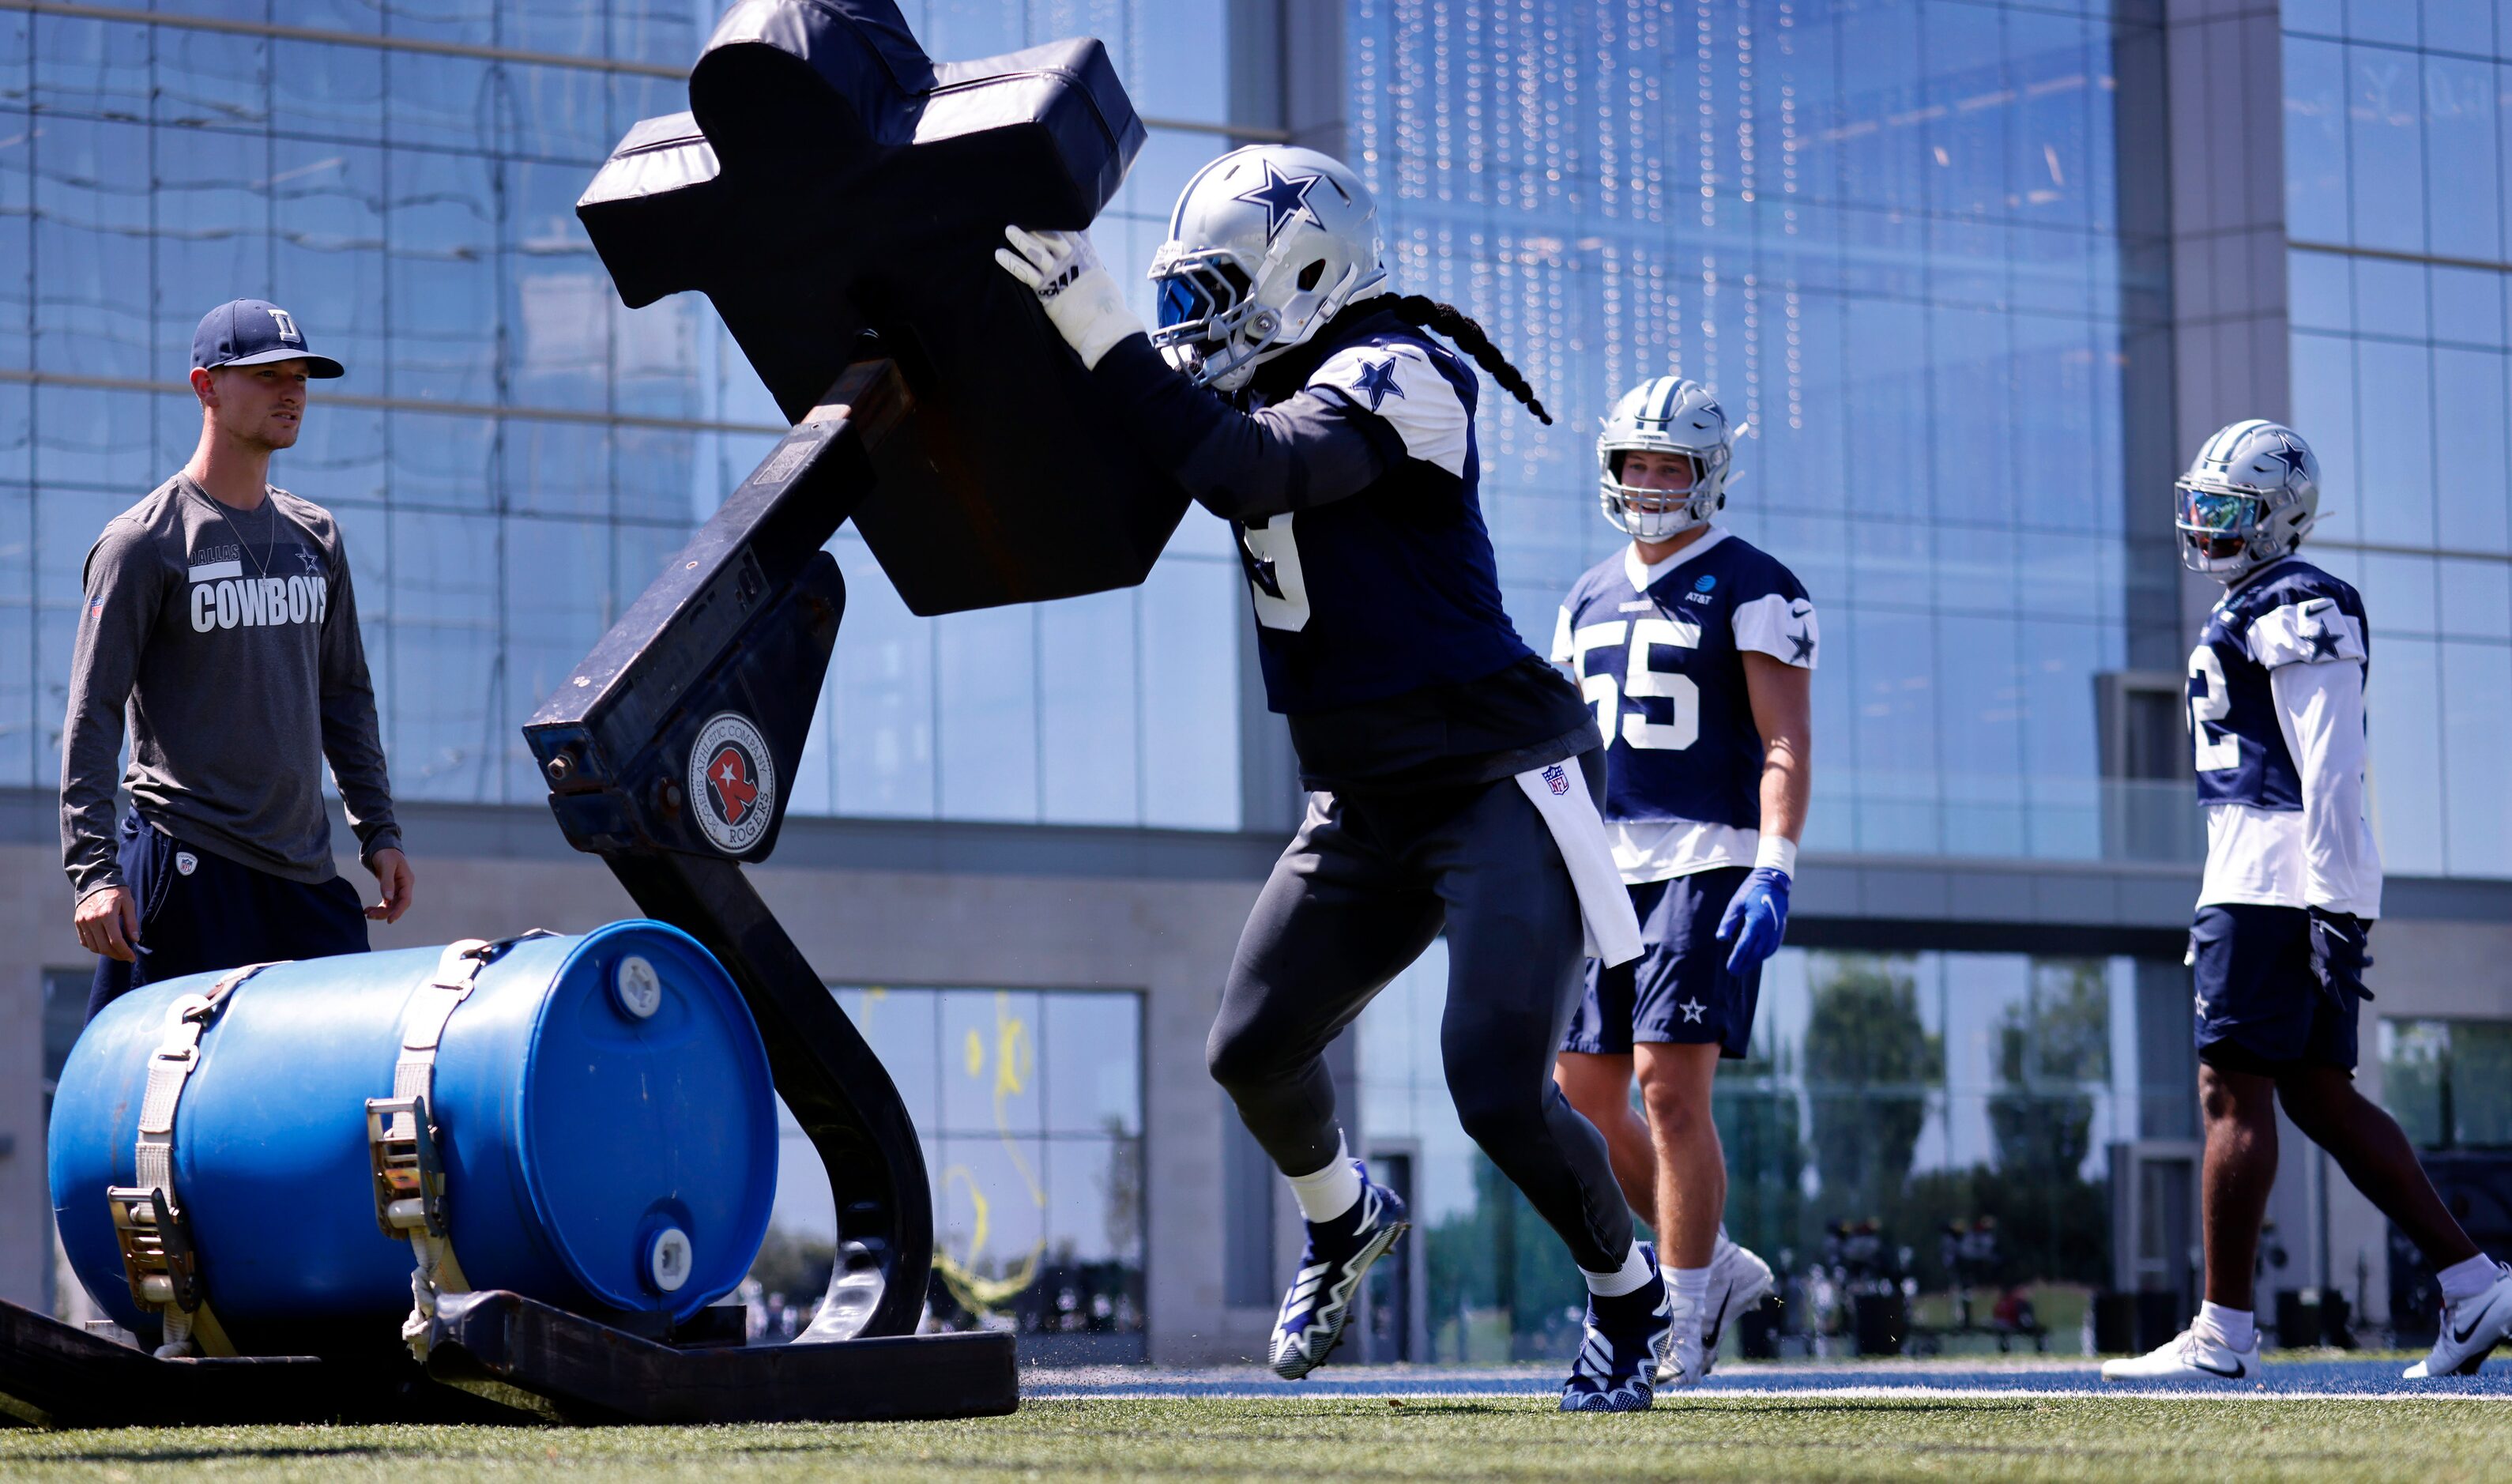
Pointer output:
x,y
1080,295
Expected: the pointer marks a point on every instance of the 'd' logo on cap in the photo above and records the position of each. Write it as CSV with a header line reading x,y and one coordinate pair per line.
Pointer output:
x,y
733,782
287,326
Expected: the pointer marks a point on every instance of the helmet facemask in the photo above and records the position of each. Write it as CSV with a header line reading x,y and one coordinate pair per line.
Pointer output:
x,y
2227,531
1203,303
1650,514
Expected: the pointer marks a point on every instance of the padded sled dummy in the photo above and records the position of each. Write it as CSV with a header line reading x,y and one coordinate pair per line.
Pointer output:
x,y
830,181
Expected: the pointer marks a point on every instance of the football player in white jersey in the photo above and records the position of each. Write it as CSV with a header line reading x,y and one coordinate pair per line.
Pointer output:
x,y
1697,650
2286,906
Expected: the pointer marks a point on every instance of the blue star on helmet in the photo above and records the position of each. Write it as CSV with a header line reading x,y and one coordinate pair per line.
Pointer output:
x,y
1285,200
2291,455
1378,383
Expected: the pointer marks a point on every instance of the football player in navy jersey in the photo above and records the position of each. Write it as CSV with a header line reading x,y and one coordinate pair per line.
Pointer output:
x,y
1697,649
1454,773
2284,907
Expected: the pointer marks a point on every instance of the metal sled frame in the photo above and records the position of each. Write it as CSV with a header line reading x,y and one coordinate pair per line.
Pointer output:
x,y
744,618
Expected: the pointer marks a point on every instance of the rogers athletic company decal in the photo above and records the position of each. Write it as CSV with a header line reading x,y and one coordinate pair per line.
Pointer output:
x,y
733,782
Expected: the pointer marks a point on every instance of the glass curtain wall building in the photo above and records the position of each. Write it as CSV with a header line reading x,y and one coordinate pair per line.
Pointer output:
x,y
2397,120
513,456
1889,238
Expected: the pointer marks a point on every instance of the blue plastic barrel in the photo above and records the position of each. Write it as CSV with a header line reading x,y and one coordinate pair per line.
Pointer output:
x,y
583,1119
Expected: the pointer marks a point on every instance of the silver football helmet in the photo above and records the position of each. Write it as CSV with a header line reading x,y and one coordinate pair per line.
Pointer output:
x,y
1266,244
1671,414
2250,498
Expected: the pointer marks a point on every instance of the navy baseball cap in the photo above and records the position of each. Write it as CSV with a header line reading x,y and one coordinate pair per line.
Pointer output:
x,y
255,333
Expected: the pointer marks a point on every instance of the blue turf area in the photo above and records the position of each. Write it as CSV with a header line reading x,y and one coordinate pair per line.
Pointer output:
x,y
2015,1378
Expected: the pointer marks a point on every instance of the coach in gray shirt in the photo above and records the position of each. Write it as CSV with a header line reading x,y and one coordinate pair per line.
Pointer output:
x,y
219,622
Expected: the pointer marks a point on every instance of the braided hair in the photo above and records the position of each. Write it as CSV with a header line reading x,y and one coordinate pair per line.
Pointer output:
x,y
1425,313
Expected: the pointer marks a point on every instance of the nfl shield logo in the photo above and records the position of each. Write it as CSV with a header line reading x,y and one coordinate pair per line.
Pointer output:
x,y
1556,779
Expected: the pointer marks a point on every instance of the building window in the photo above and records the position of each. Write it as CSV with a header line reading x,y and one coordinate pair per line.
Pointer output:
x,y
2448,1082
1029,1106
1903,1094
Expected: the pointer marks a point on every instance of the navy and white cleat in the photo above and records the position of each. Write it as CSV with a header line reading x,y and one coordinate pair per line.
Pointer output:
x,y
1338,1256
1626,1341
2471,1329
1738,1280
2193,1354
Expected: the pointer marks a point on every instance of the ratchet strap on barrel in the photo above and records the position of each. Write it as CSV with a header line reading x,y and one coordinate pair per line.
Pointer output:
x,y
149,1221
403,1137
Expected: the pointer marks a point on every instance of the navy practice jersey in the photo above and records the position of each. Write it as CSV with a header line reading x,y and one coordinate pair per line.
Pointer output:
x,y
1662,661
2290,613
1353,494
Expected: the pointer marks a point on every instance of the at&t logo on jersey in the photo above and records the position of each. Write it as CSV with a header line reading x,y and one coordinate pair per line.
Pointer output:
x,y
733,782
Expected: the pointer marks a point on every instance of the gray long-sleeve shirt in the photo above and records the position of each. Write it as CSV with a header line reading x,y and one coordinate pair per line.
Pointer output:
x,y
230,640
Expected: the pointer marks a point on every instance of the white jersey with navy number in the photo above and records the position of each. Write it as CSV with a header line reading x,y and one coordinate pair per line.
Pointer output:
x,y
2276,717
1658,651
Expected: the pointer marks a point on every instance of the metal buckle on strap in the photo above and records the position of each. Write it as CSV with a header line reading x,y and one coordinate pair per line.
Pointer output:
x,y
401,1150
157,1254
409,1176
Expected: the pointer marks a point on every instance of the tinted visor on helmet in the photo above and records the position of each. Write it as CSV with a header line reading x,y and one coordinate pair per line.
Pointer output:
x,y
1190,294
2216,524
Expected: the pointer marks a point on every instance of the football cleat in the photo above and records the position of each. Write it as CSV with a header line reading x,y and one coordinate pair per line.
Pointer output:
x,y
2193,1354
2471,1329
1627,1338
1337,1258
1684,1359
1738,1280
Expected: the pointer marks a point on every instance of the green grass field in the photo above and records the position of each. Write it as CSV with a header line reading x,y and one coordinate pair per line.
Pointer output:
x,y
1760,1441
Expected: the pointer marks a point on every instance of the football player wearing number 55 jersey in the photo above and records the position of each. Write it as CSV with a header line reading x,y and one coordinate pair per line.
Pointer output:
x,y
1696,649
1453,772
2286,906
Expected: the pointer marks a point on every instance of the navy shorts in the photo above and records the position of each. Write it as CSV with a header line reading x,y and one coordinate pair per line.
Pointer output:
x,y
1678,991
200,913
2260,1008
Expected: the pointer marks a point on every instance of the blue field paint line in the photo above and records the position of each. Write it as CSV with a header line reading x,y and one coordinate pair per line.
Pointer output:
x,y
2288,1380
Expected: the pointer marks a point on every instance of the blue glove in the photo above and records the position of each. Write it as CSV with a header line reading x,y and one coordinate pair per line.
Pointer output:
x,y
1756,920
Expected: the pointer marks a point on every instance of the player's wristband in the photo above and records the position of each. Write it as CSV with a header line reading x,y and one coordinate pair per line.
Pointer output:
x,y
1777,852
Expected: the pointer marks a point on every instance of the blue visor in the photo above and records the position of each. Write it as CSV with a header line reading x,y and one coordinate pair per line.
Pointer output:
x,y
1180,303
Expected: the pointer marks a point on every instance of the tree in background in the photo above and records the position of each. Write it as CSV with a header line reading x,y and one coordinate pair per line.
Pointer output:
x,y
1870,1065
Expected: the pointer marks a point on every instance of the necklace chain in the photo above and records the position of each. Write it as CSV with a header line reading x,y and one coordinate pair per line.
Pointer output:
x,y
270,548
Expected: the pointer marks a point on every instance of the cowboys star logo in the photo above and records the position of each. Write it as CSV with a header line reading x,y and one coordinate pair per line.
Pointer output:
x,y
733,782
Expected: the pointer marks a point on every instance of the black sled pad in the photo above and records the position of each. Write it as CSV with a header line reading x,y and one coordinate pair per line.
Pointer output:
x,y
839,195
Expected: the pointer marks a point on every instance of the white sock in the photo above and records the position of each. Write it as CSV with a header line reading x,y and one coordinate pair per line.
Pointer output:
x,y
1627,1279
2234,1326
1691,1287
2466,1280
1326,1193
